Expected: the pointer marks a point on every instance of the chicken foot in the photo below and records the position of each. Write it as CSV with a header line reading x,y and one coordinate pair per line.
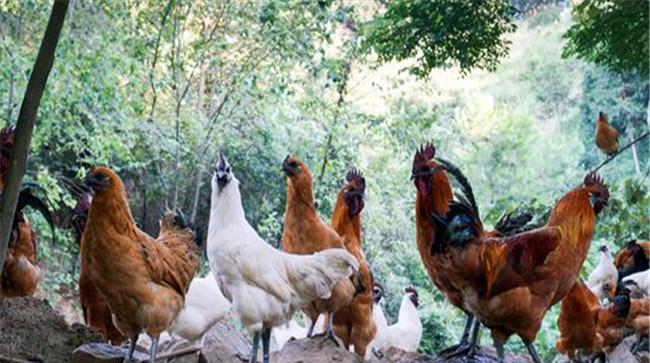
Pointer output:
x,y
531,350
468,349
469,321
330,329
256,343
133,341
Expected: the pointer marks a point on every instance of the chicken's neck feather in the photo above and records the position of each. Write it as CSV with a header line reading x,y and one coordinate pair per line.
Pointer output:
x,y
226,207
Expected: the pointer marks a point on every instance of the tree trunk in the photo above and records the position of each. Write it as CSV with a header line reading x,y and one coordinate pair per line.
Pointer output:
x,y
27,119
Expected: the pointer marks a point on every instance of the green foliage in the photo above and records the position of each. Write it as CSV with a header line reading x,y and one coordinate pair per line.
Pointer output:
x,y
613,34
441,33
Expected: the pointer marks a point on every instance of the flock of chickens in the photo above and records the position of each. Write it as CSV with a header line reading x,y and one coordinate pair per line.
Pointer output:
x,y
504,279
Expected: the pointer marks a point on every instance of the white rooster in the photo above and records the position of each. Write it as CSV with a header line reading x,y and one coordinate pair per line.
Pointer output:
x,y
602,280
407,332
264,285
204,306
381,340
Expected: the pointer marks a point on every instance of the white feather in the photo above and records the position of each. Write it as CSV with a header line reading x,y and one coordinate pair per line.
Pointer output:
x,y
381,340
604,277
407,332
204,306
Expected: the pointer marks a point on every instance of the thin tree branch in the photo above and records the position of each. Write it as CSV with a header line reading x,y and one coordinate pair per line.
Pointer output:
x,y
620,151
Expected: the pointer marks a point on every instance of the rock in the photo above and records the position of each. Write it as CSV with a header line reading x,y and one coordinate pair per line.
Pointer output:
x,y
221,344
483,355
31,330
225,344
314,350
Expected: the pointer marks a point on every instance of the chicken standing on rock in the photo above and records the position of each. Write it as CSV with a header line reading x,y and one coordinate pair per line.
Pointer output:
x,y
94,306
407,332
305,233
265,285
353,323
144,280
603,279
514,280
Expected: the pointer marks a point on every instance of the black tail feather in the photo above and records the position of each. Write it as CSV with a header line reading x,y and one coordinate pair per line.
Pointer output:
x,y
512,223
465,186
26,198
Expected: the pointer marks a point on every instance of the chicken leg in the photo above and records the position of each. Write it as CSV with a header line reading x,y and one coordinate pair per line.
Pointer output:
x,y
132,343
330,329
501,354
256,343
533,353
266,345
447,352
154,348
310,331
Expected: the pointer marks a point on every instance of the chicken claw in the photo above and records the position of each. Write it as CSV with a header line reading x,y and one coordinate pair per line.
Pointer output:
x,y
132,343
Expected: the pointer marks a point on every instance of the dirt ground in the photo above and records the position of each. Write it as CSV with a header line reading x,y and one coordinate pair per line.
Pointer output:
x,y
31,330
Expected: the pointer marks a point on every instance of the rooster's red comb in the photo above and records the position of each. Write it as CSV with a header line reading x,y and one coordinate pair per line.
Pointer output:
x,y
594,179
355,175
425,153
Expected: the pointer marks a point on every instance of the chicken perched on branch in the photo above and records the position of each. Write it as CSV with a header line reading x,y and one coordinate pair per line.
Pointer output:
x,y
94,306
353,323
265,285
577,324
144,280
515,280
603,279
606,135
305,233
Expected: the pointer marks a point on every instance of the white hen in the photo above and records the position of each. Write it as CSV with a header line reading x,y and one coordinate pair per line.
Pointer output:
x,y
204,306
264,285
407,332
602,280
381,340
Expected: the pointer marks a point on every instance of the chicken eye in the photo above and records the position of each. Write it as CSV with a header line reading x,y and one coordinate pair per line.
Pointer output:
x,y
228,169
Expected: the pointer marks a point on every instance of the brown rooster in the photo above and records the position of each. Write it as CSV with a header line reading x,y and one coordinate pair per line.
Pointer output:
x,y
305,233
144,280
606,135
577,324
94,306
510,282
354,323
21,272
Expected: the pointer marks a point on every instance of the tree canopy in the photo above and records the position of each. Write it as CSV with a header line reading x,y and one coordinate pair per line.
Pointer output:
x,y
614,34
